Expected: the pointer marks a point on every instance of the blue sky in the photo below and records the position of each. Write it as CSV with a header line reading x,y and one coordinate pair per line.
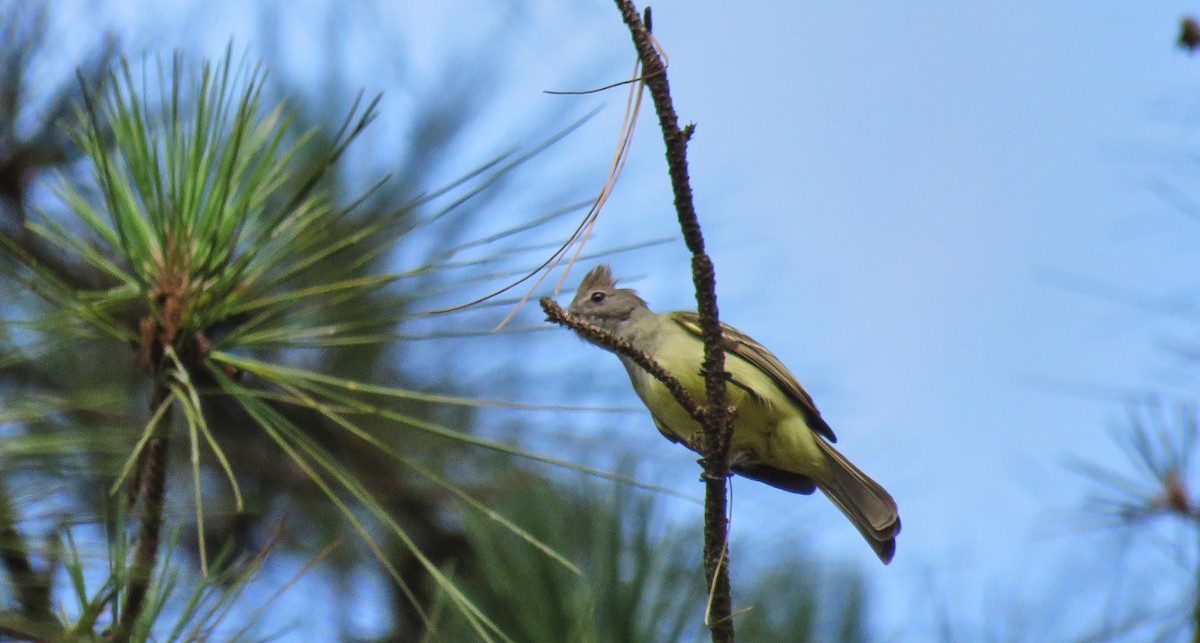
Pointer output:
x,y
889,192
885,189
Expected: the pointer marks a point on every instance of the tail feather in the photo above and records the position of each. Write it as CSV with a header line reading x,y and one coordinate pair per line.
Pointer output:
x,y
867,504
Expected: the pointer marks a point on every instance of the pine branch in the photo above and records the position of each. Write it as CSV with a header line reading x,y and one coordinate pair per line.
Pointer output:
x,y
151,491
717,423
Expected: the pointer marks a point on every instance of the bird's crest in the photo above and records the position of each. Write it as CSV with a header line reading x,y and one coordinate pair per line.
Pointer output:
x,y
599,277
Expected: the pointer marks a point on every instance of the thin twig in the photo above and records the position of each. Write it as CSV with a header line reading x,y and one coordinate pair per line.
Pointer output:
x,y
579,237
717,425
622,346
584,92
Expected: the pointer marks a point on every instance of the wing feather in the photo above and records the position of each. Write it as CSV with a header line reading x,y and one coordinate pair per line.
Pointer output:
x,y
742,345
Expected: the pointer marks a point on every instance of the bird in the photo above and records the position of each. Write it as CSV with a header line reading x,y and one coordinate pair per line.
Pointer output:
x,y
779,437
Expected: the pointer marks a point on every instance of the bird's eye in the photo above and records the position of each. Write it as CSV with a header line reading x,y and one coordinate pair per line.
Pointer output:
x,y
597,297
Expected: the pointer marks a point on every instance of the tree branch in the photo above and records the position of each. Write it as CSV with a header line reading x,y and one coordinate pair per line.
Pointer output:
x,y
717,422
151,483
622,346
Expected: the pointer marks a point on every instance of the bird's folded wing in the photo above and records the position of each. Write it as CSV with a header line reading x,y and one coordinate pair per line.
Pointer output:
x,y
744,346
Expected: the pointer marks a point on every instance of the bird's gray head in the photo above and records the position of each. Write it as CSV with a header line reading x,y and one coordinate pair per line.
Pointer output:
x,y
600,302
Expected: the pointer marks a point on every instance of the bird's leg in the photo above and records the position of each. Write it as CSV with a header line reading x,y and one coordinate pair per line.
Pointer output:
x,y
738,459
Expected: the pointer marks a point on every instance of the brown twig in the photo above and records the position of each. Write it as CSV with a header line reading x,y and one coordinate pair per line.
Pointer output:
x,y
717,417
151,492
622,346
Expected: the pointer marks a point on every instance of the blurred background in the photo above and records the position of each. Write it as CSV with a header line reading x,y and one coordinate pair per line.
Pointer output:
x,y
970,229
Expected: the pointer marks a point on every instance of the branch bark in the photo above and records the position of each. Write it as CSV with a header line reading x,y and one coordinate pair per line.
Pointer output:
x,y
717,417
151,489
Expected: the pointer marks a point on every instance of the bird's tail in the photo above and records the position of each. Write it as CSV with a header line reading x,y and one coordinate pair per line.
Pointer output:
x,y
867,504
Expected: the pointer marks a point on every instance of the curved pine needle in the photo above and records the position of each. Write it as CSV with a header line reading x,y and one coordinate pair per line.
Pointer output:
x,y
597,90
279,374
193,399
458,436
293,441
136,453
257,615
266,419
583,231
442,482
180,393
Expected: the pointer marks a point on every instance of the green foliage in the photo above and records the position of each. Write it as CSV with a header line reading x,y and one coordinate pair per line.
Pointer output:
x,y
638,579
205,242
802,600
214,280
1148,510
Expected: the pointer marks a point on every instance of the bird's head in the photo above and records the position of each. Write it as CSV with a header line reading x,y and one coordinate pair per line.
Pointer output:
x,y
600,302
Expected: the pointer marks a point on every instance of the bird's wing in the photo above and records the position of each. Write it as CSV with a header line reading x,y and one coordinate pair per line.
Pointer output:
x,y
742,345
778,478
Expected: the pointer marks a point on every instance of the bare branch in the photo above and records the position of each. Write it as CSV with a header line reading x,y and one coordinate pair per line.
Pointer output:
x,y
718,426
